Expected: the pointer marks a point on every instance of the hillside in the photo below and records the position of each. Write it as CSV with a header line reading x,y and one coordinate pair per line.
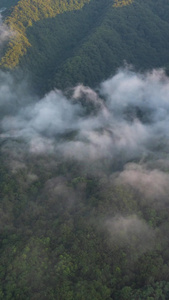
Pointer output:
x,y
23,15
87,44
84,170
84,185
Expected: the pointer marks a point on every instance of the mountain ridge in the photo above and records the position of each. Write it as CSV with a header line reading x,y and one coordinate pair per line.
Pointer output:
x,y
89,44
22,16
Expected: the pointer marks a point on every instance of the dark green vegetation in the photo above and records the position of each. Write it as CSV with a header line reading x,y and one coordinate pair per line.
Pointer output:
x,y
22,17
55,242
88,45
68,230
8,4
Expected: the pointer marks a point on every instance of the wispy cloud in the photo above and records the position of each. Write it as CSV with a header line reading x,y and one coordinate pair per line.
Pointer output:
x,y
129,116
5,31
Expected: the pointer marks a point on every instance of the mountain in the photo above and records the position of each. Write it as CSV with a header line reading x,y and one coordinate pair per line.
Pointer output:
x,y
84,169
64,43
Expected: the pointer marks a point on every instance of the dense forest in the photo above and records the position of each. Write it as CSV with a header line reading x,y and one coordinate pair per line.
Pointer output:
x,y
84,172
86,45
84,191
22,16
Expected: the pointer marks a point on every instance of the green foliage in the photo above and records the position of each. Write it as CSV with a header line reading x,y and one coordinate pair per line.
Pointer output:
x,y
55,243
58,233
89,45
86,43
120,3
23,15
8,3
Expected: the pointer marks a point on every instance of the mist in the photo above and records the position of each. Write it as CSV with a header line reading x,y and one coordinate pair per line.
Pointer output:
x,y
123,123
85,174
128,116
131,231
5,32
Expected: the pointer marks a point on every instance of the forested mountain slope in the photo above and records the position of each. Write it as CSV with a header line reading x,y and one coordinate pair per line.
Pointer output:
x,y
84,185
89,42
22,16
84,173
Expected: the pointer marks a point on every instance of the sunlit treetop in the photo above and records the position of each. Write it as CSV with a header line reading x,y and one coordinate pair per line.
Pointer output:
x,y
24,14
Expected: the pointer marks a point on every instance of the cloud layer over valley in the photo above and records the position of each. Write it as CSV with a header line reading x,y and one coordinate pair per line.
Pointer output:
x,y
118,133
128,117
125,123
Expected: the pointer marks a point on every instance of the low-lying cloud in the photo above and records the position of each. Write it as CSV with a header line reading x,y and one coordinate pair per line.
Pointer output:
x,y
5,32
152,184
131,233
128,117
123,126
